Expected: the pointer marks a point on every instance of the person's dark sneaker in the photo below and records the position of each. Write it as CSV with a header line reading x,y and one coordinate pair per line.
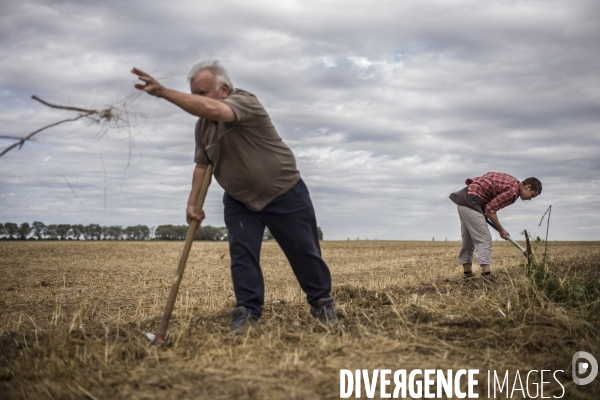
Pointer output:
x,y
324,312
489,278
468,275
242,321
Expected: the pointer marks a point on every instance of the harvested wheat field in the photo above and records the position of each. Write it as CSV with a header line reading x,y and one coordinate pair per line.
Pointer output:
x,y
73,317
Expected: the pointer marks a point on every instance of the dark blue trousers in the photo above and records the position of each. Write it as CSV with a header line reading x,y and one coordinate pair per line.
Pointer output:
x,y
291,219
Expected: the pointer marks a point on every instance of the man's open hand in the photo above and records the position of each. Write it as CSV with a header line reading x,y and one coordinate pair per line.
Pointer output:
x,y
150,86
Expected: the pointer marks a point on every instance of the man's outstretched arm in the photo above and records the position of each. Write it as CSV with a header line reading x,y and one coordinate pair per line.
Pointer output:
x,y
200,106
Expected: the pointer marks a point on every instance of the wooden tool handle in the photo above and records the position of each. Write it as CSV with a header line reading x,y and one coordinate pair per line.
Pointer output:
x,y
162,329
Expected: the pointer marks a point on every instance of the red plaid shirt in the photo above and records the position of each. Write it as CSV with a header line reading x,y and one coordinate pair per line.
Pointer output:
x,y
496,189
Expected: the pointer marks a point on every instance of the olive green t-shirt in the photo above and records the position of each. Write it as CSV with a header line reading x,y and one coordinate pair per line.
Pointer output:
x,y
250,160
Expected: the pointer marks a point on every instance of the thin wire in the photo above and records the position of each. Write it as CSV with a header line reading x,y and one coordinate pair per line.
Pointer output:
x,y
549,212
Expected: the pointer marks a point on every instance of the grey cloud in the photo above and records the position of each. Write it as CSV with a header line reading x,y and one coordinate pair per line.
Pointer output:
x,y
388,106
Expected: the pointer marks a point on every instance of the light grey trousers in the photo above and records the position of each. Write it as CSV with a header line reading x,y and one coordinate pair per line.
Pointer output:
x,y
475,236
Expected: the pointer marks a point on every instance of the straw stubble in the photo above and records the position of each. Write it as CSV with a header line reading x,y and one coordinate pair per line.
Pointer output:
x,y
73,314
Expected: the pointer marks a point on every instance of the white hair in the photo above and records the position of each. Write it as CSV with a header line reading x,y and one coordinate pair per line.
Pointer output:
x,y
218,71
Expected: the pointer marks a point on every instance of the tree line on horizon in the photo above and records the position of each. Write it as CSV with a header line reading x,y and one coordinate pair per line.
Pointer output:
x,y
40,231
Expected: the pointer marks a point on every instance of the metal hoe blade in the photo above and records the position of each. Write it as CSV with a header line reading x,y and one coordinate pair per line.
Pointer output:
x,y
158,339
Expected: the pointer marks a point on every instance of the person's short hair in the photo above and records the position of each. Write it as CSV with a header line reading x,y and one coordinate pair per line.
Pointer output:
x,y
535,183
218,71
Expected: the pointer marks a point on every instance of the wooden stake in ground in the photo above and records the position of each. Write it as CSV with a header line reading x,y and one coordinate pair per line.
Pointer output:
x,y
158,339
517,245
529,251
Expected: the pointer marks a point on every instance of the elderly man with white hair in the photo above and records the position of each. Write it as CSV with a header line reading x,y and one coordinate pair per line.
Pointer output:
x,y
262,187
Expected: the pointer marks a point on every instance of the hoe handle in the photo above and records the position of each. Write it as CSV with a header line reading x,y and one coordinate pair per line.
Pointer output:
x,y
517,245
162,329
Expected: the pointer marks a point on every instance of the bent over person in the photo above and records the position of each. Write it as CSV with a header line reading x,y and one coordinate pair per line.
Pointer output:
x,y
482,198
262,187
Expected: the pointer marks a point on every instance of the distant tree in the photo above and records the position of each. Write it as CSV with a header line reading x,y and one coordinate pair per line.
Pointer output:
x,y
51,231
24,230
115,232
162,232
130,233
63,231
143,232
180,232
11,229
224,233
137,232
201,233
118,232
38,229
77,230
87,233
166,232
209,232
96,232
92,232
320,233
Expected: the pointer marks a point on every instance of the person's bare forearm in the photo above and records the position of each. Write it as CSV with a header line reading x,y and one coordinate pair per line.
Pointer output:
x,y
496,222
197,180
200,106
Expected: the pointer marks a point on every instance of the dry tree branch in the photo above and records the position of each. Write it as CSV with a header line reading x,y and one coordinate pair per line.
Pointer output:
x,y
73,190
10,137
130,203
105,185
82,110
113,116
21,141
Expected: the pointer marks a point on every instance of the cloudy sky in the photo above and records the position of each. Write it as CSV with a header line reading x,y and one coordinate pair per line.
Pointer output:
x,y
388,106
